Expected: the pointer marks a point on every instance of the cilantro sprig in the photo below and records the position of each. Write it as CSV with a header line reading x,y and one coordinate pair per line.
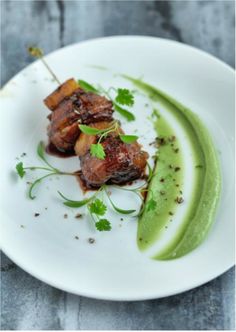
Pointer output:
x,y
97,149
124,97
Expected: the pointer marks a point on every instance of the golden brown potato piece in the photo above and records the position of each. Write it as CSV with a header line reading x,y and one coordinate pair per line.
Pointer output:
x,y
64,90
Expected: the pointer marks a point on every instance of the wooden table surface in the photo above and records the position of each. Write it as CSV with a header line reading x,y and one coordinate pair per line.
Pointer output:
x,y
27,303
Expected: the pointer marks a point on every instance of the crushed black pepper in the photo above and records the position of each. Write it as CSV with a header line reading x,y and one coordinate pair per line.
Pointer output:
x,y
78,215
37,214
177,169
76,237
179,200
65,215
91,240
171,213
162,180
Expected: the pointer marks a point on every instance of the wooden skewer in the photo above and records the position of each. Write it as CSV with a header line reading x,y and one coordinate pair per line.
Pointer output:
x,y
38,53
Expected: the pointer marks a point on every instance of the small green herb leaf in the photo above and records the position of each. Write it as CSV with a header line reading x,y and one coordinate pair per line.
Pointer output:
x,y
87,87
124,97
103,225
20,169
41,154
151,205
40,151
128,138
89,130
97,207
122,211
74,204
97,151
37,182
126,114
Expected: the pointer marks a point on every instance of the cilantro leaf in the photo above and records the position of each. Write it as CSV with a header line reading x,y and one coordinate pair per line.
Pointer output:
x,y
128,138
124,97
151,205
126,114
20,169
89,130
97,150
98,207
103,225
87,87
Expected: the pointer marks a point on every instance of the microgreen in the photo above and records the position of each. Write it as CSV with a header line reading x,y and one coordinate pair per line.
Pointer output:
x,y
124,97
97,151
124,112
89,130
51,170
97,207
20,169
87,86
103,225
74,204
128,138
119,210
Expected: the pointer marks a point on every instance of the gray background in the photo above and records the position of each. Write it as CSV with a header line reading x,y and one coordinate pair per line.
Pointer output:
x,y
27,303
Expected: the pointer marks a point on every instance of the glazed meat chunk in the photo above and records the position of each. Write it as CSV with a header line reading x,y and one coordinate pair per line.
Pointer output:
x,y
70,105
122,163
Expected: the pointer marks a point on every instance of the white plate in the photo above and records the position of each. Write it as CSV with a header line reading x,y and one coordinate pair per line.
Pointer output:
x,y
111,268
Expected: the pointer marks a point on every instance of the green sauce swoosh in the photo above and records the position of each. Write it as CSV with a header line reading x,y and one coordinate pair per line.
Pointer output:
x,y
201,209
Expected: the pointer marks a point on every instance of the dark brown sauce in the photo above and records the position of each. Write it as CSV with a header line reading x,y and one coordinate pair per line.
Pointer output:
x,y
84,185
52,150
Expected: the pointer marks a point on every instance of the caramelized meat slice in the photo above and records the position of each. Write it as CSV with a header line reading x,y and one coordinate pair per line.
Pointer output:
x,y
123,163
70,106
63,129
93,108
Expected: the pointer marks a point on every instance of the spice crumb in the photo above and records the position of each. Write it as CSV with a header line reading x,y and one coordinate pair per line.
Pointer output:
x,y
179,200
176,150
65,215
37,214
76,237
171,213
162,192
78,215
23,154
45,208
91,240
172,138
22,226
177,169
121,219
162,180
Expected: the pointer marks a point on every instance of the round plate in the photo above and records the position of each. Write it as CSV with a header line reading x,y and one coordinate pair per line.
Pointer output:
x,y
112,267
